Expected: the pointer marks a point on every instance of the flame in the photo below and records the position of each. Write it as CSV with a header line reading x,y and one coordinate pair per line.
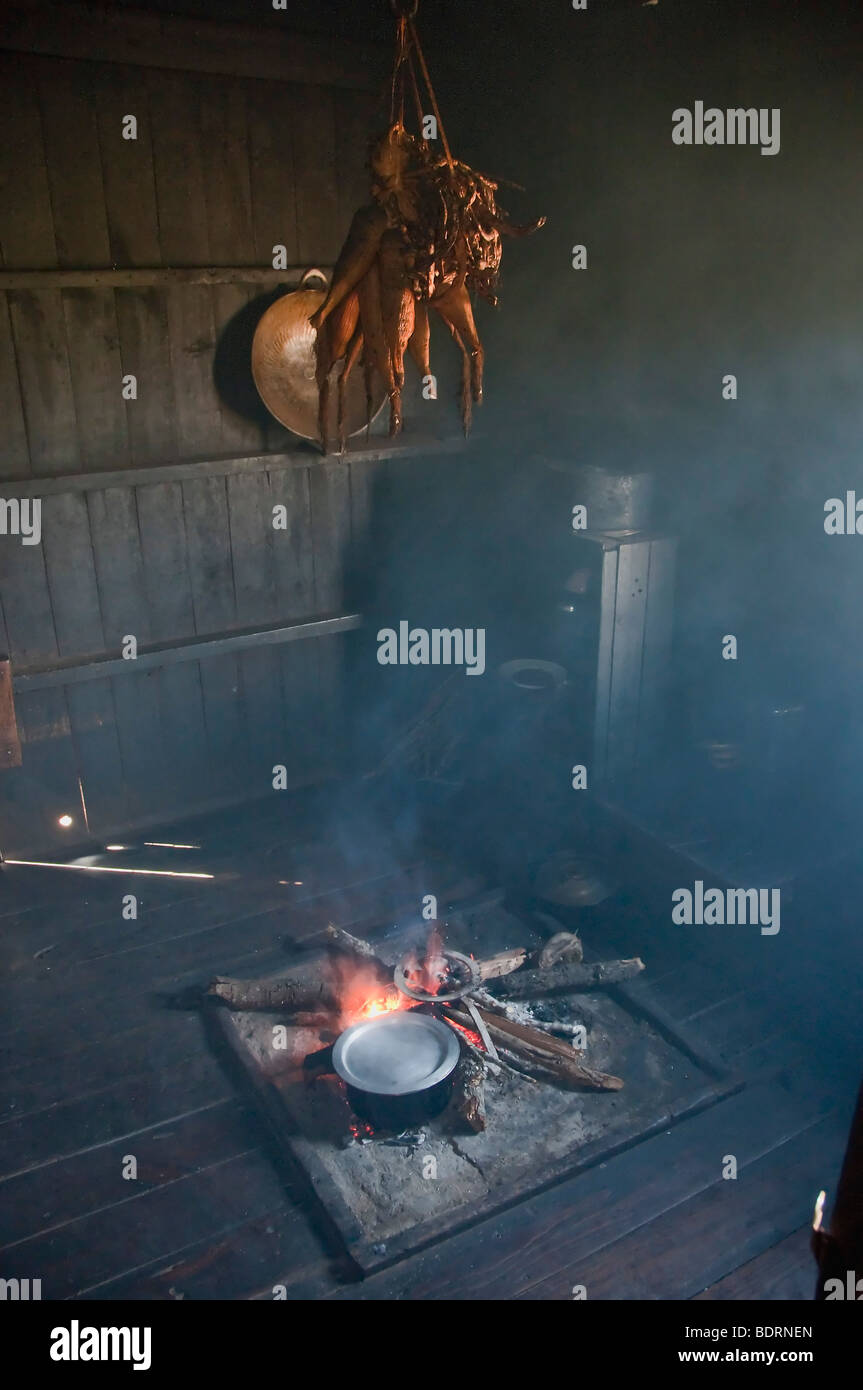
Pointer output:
x,y
383,1004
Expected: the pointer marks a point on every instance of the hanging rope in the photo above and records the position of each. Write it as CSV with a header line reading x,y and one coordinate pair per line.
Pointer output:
x,y
397,87
430,89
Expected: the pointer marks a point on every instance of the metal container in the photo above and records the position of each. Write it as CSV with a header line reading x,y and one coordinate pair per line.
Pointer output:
x,y
398,1067
283,367
617,501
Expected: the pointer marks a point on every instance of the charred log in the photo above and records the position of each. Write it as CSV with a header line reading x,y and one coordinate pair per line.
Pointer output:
x,y
570,976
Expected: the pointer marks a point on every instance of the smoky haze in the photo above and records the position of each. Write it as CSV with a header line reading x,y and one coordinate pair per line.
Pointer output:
x,y
702,261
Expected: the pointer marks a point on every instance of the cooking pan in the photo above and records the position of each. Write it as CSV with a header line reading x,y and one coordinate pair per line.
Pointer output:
x,y
283,367
398,1067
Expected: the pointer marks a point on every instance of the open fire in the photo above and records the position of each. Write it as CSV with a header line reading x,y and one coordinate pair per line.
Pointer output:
x,y
486,1003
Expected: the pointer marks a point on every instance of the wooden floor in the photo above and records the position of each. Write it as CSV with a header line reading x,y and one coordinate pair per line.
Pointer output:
x,y
100,1064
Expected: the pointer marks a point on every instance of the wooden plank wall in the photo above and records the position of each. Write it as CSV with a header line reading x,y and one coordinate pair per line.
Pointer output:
x,y
164,562
224,168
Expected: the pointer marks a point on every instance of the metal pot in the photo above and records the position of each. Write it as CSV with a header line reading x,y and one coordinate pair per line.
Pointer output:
x,y
283,366
616,501
398,1068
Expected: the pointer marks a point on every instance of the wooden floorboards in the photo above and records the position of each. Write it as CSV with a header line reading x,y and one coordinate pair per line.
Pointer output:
x,y
103,1070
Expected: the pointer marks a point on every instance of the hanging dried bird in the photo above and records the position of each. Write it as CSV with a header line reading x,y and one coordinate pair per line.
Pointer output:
x,y
430,238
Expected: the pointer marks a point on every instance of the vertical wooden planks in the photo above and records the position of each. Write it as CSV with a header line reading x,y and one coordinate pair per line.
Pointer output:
x,y
227,189
252,546
269,113
45,786
208,539
133,229
314,148
26,602
293,553
126,165
78,622
10,743
163,548
94,359
123,602
184,232
39,332
354,115
331,533
15,455
81,233
331,536
142,318
26,225
294,564
48,785
26,241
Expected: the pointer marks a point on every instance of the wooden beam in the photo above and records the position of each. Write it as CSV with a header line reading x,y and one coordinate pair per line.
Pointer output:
x,y
150,277
74,670
104,34
10,743
309,457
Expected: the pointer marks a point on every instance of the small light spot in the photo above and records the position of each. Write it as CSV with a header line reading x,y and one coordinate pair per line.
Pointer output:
x,y
65,821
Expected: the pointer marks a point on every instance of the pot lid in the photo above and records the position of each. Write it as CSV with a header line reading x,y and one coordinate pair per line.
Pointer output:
x,y
572,880
396,1054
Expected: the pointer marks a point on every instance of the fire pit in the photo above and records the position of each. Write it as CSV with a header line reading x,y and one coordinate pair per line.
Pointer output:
x,y
356,1117
398,1068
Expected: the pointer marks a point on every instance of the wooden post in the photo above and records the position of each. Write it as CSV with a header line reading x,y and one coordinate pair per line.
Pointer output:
x,y
10,743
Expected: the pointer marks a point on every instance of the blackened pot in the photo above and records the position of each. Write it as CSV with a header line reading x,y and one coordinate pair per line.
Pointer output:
x,y
400,1112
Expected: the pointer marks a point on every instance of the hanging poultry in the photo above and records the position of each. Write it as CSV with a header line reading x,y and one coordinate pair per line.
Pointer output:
x,y
429,239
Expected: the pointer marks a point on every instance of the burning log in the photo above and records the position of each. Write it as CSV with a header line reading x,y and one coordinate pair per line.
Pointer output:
x,y
308,990
469,1097
571,976
540,1050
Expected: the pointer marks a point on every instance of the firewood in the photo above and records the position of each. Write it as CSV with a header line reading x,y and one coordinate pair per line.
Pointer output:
x,y
308,990
503,964
541,1050
494,1068
526,1070
490,969
520,1013
469,1098
571,976
342,940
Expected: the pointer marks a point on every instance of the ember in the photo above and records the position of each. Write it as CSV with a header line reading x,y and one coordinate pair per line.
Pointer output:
x,y
468,1033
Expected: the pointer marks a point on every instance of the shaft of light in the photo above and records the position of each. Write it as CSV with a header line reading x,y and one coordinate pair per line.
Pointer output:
x,y
103,869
